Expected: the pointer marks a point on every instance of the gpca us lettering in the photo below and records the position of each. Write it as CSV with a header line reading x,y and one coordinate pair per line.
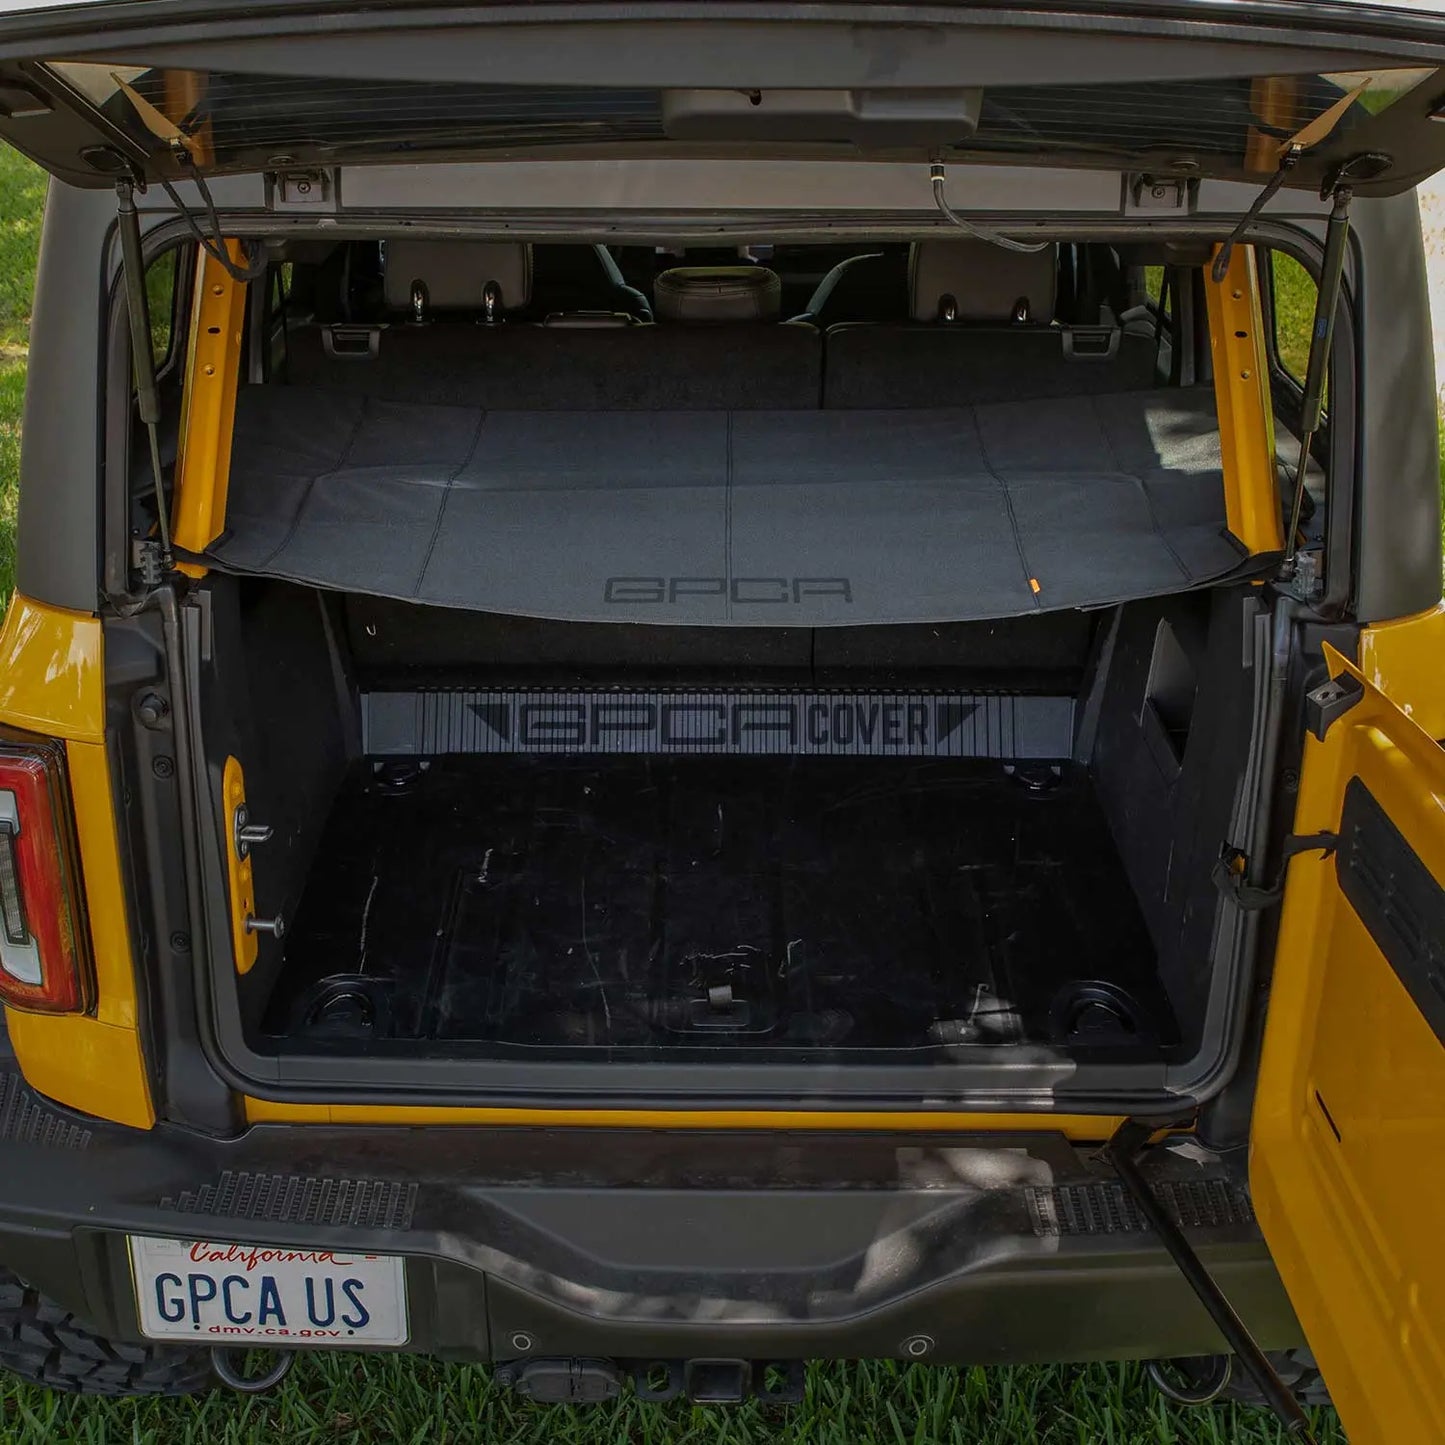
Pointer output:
x,y
255,1299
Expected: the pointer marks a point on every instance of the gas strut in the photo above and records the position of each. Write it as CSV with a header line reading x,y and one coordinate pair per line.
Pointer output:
x,y
142,358
1122,1151
1322,335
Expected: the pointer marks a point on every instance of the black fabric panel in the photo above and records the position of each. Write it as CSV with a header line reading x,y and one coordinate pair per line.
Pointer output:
x,y
401,640
638,368
396,639
767,518
934,366
1169,792
1052,644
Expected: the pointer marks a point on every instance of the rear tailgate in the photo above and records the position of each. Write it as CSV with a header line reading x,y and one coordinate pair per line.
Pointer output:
x,y
1187,89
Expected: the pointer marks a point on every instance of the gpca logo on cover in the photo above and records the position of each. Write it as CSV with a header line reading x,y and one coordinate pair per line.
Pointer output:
x,y
752,722
189,1289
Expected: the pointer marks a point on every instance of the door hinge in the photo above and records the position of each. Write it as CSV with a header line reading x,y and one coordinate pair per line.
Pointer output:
x,y
1232,871
1330,701
150,559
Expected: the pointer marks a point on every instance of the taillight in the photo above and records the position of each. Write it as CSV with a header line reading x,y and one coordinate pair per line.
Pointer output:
x,y
44,958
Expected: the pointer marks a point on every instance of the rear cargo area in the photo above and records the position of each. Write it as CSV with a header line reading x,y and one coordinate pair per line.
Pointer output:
x,y
722,903
513,844
724,704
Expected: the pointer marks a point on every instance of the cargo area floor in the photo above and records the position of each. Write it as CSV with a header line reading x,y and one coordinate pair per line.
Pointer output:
x,y
665,906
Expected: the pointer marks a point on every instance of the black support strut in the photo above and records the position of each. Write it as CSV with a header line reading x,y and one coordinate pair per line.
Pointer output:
x,y
1322,335
1122,1151
142,359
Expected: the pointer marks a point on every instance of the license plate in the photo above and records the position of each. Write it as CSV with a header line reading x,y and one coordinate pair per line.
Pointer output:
x,y
236,1294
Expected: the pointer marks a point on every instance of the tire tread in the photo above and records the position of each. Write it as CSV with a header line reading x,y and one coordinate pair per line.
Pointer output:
x,y
44,1343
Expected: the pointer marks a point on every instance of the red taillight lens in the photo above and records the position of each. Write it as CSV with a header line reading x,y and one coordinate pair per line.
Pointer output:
x,y
44,961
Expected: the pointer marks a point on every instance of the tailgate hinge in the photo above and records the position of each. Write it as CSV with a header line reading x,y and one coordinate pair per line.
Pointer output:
x,y
1232,870
1123,1150
149,559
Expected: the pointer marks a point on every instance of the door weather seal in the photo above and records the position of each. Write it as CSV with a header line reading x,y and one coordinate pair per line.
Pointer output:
x,y
1129,1141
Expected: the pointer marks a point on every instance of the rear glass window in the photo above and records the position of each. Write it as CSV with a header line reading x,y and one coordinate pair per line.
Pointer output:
x,y
1238,119
238,118
256,120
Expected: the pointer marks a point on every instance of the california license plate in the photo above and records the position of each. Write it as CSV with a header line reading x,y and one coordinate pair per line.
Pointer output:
x,y
239,1294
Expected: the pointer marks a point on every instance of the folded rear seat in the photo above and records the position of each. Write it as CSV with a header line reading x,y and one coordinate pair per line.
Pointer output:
x,y
570,363
981,331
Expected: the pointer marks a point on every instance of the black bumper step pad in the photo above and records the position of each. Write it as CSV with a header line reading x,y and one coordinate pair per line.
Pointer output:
x,y
1103,1206
300,1199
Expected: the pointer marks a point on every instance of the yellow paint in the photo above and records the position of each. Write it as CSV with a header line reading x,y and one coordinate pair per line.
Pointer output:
x,y
1406,661
52,683
186,96
1246,414
1273,102
1087,1128
1353,1222
239,871
95,829
84,1064
208,407
50,672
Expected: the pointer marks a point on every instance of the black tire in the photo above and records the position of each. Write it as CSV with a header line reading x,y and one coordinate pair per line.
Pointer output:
x,y
44,1343
1296,1368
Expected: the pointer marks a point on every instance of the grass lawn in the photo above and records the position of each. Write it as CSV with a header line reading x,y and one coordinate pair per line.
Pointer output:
x,y
351,1398
341,1399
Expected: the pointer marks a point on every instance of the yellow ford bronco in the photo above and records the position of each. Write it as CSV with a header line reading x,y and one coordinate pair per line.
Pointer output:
x,y
697,686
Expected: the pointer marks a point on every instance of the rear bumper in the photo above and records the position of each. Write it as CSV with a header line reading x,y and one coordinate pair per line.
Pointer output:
x,y
649,1244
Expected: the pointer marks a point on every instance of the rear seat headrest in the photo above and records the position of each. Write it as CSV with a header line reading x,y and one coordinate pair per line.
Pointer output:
x,y
455,273
986,282
718,293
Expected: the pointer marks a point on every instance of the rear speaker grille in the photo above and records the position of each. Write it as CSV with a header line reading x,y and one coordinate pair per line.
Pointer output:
x,y
1104,1207
301,1199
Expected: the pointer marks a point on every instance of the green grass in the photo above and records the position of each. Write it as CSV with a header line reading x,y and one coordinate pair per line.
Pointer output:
x,y
345,1399
1295,294
22,198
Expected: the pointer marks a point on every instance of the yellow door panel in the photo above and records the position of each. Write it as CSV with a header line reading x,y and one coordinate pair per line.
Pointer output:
x,y
1406,661
238,868
1347,1159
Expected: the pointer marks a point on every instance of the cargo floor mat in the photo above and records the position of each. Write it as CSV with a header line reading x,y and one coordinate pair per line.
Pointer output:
x,y
664,906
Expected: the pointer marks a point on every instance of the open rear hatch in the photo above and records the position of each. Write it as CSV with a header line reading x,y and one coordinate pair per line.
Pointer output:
x,y
1182,89
595,713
